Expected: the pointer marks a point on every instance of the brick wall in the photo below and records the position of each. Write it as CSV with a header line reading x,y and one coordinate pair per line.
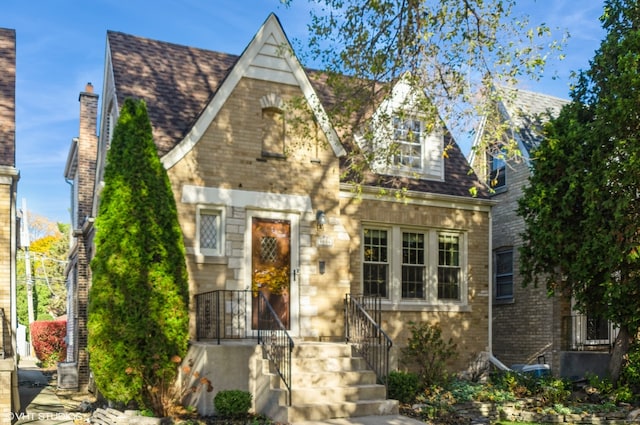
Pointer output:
x,y
531,315
229,155
466,324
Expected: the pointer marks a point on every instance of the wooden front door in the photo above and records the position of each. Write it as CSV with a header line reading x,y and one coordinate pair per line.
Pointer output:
x,y
271,266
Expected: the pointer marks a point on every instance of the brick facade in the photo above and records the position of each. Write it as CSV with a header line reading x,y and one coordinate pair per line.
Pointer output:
x,y
227,158
9,400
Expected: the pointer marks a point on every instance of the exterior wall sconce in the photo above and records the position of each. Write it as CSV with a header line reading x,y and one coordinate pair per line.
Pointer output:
x,y
321,219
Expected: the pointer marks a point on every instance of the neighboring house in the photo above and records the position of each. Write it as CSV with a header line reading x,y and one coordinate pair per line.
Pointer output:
x,y
529,326
261,203
9,399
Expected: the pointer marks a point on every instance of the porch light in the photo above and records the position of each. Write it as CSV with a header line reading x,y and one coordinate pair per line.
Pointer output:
x,y
321,219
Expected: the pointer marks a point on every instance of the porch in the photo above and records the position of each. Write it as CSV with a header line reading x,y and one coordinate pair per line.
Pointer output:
x,y
587,342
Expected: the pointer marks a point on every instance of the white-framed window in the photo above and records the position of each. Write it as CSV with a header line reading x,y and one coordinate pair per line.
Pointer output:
x,y
414,265
376,262
407,135
210,231
449,267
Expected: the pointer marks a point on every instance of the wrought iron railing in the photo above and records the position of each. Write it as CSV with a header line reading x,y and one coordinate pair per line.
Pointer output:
x,y
223,315
276,341
585,332
363,331
227,315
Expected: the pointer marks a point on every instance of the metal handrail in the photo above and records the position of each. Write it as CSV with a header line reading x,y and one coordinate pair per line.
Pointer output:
x,y
366,335
277,343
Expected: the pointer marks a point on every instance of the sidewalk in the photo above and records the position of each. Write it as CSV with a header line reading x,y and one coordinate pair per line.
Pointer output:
x,y
39,403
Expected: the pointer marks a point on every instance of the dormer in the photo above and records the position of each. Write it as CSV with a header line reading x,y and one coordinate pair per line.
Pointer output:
x,y
407,135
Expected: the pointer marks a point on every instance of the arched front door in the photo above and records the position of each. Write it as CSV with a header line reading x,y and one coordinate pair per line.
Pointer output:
x,y
271,266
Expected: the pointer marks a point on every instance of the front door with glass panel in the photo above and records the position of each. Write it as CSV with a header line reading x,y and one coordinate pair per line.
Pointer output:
x,y
271,266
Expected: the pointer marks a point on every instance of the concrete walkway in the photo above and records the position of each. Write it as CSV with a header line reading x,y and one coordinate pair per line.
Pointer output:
x,y
42,406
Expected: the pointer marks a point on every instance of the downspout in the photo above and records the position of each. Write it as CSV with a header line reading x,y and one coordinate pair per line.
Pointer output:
x,y
493,359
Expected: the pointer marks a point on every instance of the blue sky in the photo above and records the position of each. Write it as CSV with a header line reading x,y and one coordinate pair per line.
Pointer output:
x,y
61,47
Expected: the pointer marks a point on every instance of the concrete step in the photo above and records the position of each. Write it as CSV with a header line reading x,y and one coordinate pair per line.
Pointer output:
x,y
324,411
328,382
338,394
327,364
333,379
321,350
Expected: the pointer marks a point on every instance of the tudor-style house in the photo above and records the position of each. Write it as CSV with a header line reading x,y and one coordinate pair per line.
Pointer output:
x,y
9,399
548,330
274,233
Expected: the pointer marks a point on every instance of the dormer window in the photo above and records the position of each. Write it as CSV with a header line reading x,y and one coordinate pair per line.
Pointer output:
x,y
407,134
416,151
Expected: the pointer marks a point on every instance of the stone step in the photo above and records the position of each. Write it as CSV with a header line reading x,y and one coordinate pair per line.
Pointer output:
x,y
327,364
324,411
337,394
333,379
321,350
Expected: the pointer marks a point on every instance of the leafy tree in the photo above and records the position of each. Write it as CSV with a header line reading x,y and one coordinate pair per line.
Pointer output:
x,y
48,258
581,210
457,51
138,314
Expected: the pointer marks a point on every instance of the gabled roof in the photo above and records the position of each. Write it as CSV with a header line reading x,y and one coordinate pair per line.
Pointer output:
x,y
528,111
7,97
184,88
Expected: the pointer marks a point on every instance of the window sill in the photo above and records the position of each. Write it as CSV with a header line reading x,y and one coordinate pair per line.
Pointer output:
x,y
504,301
387,305
208,259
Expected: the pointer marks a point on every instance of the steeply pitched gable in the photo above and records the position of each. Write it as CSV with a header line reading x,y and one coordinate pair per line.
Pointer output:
x,y
528,111
185,87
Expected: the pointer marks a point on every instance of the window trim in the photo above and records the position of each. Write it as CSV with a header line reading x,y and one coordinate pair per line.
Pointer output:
x,y
394,284
220,213
497,252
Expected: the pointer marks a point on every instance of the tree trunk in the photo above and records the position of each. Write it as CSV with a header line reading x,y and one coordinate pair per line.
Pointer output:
x,y
619,353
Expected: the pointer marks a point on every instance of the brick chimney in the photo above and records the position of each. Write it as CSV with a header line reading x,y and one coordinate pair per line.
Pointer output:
x,y
87,151
87,159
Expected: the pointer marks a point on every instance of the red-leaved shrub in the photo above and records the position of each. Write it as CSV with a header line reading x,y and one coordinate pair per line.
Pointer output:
x,y
47,338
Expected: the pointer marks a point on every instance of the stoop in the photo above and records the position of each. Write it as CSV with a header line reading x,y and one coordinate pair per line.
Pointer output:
x,y
328,382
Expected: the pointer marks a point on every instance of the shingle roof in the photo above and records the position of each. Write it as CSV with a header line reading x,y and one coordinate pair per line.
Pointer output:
x,y
7,97
528,111
177,82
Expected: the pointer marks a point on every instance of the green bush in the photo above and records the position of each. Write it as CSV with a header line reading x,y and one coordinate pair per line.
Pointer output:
x,y
232,403
138,324
630,376
403,386
427,351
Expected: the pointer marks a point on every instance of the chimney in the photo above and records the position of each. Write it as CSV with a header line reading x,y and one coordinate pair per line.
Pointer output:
x,y
87,151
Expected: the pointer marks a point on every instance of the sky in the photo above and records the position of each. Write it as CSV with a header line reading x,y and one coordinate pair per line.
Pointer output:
x,y
60,47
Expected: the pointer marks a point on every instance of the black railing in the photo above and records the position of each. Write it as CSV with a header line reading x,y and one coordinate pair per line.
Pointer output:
x,y
223,315
363,331
276,342
584,333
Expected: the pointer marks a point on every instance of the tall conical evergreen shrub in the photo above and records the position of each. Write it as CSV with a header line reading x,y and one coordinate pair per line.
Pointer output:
x,y
138,301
